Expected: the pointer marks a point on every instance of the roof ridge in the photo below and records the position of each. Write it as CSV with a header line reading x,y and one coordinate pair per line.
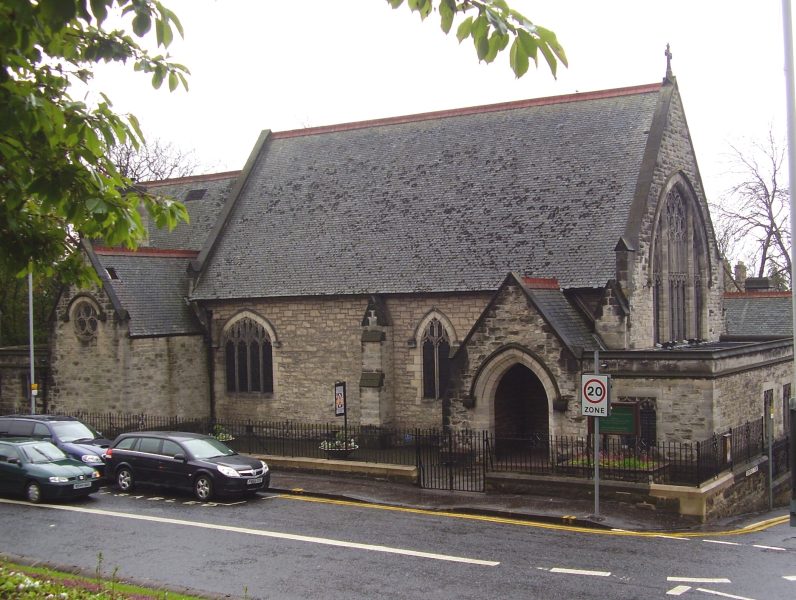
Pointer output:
x,y
150,252
758,294
190,178
483,108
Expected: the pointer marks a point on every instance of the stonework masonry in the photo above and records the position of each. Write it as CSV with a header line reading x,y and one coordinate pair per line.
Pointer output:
x,y
676,156
320,342
113,372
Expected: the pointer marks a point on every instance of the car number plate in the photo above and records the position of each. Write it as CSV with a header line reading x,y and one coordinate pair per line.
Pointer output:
x,y
254,481
82,484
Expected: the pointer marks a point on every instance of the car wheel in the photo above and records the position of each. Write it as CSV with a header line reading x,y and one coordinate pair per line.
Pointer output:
x,y
203,488
33,492
124,479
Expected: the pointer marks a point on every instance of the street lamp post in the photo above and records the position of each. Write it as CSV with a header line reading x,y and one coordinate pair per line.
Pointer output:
x,y
33,389
787,25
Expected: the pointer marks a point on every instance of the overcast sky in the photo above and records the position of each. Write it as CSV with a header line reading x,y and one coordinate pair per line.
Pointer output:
x,y
279,65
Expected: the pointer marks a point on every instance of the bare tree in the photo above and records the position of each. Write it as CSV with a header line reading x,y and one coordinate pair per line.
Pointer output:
x,y
154,161
753,216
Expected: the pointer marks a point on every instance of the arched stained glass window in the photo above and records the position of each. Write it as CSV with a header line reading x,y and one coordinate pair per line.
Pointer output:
x,y
249,358
436,362
679,264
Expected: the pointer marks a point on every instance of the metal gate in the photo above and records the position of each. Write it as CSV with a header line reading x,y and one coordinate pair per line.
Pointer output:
x,y
451,460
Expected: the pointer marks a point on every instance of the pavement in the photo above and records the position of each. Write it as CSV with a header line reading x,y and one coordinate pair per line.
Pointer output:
x,y
576,512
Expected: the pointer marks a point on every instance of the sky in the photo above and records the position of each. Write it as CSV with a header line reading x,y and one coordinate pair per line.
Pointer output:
x,y
281,65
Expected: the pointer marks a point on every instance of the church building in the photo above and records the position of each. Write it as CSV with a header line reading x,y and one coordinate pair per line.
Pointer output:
x,y
461,268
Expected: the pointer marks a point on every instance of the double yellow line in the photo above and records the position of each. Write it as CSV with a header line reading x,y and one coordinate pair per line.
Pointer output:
x,y
754,527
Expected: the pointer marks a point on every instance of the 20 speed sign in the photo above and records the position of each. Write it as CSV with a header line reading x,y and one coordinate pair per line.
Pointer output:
x,y
594,394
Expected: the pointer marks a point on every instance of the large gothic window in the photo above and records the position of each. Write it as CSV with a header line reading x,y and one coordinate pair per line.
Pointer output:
x,y
679,262
436,362
249,358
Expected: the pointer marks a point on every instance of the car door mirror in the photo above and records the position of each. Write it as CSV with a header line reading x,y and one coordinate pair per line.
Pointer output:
x,y
13,460
179,457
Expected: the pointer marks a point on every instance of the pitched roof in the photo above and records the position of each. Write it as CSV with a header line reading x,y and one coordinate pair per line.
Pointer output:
x,y
447,201
566,321
151,286
758,314
203,196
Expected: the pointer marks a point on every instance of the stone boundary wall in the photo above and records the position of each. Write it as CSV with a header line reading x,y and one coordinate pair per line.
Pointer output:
x,y
742,491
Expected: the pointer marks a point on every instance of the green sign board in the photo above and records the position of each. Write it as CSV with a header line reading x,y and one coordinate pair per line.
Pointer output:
x,y
623,420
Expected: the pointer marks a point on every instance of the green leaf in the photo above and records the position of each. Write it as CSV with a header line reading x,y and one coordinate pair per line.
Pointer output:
x,y
518,59
465,28
158,76
497,42
99,10
395,3
141,24
529,44
549,37
551,60
447,9
57,13
173,81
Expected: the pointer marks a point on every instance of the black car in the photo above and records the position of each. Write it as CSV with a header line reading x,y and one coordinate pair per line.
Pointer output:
x,y
189,461
37,469
70,434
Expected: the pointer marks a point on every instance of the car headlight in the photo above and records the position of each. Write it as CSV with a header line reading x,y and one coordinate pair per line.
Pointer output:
x,y
265,466
91,458
59,479
227,471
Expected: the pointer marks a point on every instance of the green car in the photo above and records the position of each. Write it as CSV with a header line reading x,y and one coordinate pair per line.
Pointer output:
x,y
39,470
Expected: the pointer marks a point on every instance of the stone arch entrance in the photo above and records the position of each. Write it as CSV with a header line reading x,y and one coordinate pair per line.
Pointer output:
x,y
520,405
513,394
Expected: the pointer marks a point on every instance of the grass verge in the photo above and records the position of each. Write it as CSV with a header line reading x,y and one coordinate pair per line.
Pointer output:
x,y
23,582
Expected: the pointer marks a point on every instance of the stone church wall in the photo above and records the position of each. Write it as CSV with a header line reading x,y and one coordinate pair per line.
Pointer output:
x,y
705,394
113,373
319,342
676,155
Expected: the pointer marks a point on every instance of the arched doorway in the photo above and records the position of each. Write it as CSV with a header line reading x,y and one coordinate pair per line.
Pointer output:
x,y
521,409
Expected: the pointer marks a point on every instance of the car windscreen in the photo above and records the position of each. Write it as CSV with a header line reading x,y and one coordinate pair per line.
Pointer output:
x,y
42,452
73,431
207,448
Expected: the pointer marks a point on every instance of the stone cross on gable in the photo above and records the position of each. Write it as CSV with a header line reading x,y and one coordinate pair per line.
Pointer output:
x,y
373,320
668,55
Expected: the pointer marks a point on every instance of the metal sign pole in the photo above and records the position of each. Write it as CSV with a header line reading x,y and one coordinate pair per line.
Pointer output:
x,y
596,446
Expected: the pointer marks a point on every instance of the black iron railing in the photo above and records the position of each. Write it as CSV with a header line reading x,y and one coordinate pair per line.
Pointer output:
x,y
460,459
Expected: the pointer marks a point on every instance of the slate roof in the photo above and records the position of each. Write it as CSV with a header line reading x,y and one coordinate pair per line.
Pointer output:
x,y
152,287
759,314
203,210
438,202
564,318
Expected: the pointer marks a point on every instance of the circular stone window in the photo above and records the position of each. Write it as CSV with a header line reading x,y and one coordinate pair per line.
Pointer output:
x,y
85,321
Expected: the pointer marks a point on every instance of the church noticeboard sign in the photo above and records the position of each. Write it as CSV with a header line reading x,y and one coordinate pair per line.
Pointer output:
x,y
624,420
339,399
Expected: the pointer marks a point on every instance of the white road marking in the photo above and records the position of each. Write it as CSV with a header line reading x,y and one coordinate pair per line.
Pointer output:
x,y
581,572
673,537
723,543
262,533
768,547
723,595
789,577
679,590
699,579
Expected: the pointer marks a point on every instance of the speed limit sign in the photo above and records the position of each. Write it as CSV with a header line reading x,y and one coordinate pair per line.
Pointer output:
x,y
594,395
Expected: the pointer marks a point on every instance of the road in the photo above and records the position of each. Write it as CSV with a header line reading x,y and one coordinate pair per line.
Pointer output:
x,y
280,546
